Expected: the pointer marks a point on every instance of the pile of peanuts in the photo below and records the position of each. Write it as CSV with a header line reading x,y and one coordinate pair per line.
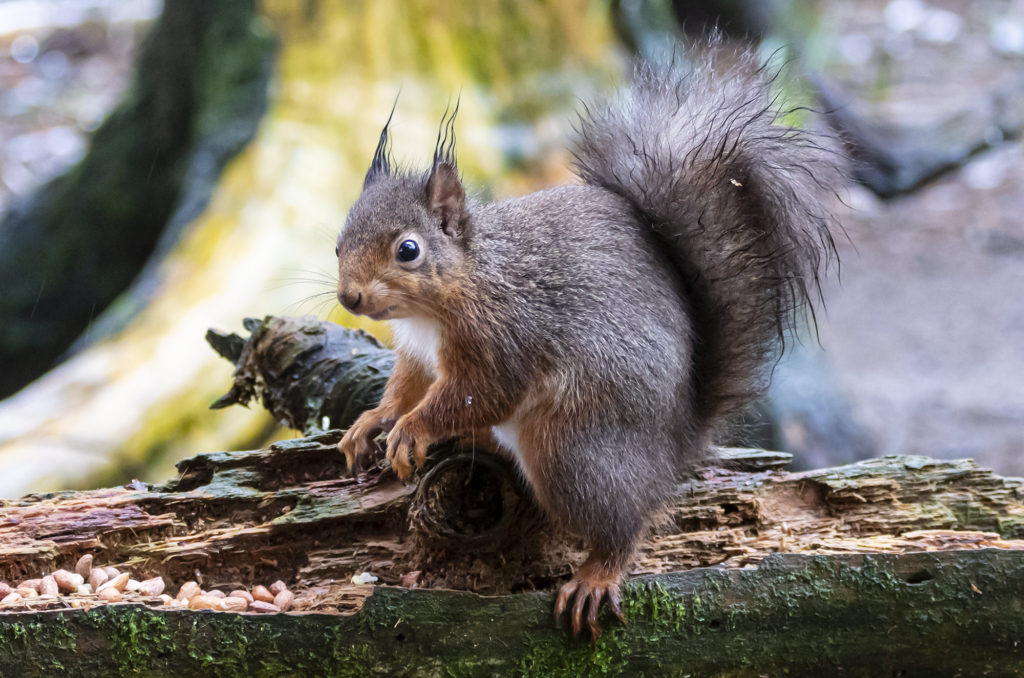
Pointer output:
x,y
260,599
89,584
106,583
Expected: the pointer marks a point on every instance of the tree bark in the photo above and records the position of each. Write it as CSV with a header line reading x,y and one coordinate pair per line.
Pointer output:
x,y
920,614
895,566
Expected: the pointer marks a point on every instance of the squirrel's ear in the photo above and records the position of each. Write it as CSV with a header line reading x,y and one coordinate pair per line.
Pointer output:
x,y
446,197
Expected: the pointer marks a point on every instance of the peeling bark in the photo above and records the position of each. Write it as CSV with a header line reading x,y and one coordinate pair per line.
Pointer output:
x,y
291,512
893,566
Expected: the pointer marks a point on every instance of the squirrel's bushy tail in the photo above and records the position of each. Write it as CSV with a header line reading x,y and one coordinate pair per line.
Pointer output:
x,y
739,199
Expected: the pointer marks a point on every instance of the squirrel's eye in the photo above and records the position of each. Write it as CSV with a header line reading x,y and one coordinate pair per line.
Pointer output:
x,y
408,251
337,252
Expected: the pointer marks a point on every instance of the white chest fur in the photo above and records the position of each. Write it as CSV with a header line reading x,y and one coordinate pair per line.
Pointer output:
x,y
418,338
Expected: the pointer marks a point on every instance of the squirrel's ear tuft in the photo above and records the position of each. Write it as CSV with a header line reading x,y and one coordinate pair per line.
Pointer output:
x,y
445,194
380,167
446,197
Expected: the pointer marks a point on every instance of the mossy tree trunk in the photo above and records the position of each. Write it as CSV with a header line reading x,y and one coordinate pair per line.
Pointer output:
x,y
196,98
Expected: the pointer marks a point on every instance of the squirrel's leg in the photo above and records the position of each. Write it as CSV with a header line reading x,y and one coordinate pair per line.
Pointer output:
x,y
603,483
405,388
453,405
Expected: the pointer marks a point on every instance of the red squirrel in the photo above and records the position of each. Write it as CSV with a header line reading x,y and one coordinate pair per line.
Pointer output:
x,y
601,331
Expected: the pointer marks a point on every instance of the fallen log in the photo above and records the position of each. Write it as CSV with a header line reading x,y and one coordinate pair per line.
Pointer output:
x,y
897,564
893,566
861,615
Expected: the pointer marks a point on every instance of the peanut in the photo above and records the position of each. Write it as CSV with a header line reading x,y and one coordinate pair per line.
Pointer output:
x,y
284,599
240,593
109,595
118,582
188,590
235,604
152,587
48,587
68,582
84,565
261,593
202,602
97,577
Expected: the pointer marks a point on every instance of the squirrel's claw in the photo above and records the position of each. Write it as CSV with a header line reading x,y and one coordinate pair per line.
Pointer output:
x,y
564,594
408,439
398,455
357,443
587,589
615,602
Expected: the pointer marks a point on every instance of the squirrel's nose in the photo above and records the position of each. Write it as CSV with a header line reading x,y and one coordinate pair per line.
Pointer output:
x,y
350,300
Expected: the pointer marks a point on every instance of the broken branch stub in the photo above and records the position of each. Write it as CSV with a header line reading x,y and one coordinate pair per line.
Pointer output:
x,y
311,375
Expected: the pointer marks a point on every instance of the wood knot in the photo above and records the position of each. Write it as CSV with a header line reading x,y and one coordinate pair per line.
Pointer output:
x,y
468,501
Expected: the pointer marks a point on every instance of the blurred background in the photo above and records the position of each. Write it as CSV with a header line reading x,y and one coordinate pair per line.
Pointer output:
x,y
170,167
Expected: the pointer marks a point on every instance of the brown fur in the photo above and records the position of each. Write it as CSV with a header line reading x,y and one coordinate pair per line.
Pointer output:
x,y
602,330
405,389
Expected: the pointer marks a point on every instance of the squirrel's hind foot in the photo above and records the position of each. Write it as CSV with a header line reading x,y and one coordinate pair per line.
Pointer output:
x,y
593,582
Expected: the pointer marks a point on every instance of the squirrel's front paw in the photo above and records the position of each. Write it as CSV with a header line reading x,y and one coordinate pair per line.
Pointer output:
x,y
357,443
409,438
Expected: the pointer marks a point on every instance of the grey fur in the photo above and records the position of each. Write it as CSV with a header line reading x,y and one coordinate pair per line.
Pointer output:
x,y
738,198
619,321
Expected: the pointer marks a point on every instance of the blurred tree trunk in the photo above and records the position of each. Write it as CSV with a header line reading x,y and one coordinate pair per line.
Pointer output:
x,y
197,95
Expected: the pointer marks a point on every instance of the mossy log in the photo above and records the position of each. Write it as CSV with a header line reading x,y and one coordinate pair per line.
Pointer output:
x,y
895,566
922,614
899,566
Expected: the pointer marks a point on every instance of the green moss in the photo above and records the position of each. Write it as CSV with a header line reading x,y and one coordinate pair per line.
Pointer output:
x,y
570,658
652,603
380,611
136,637
1010,527
347,657
20,639
919,614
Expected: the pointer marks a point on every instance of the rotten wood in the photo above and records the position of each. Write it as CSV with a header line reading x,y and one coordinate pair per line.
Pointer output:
x,y
851,579
899,564
291,512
